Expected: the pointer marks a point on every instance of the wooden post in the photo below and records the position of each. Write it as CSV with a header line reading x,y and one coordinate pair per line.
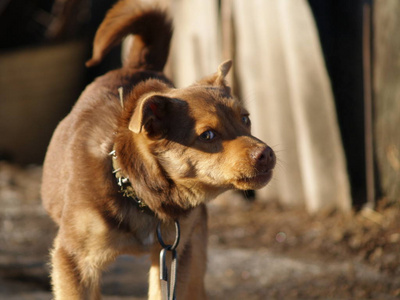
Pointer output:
x,y
369,147
387,96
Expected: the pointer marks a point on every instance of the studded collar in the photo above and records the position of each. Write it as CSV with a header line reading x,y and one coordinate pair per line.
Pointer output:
x,y
125,185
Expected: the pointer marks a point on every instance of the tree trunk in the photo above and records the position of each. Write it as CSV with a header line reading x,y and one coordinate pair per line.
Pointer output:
x,y
283,77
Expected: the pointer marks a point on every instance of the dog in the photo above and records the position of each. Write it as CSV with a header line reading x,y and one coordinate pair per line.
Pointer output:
x,y
122,162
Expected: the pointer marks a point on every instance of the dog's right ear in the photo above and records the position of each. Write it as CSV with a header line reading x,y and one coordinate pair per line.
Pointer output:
x,y
151,116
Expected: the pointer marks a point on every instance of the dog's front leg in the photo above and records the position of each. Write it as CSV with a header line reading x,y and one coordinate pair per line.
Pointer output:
x,y
154,275
70,277
192,264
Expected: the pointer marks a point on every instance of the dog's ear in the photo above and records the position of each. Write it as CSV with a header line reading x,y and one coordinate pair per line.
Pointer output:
x,y
223,70
218,78
151,115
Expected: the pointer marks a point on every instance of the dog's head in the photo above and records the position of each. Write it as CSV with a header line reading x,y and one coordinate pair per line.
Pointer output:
x,y
200,136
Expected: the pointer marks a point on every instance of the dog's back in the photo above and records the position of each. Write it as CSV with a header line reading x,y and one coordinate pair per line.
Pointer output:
x,y
79,148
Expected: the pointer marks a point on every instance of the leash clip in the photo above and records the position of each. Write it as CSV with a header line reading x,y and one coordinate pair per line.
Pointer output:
x,y
168,292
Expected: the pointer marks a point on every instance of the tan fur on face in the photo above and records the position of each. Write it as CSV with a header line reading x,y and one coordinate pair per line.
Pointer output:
x,y
220,164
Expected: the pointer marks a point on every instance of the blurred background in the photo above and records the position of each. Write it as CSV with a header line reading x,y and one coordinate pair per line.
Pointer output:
x,y
320,79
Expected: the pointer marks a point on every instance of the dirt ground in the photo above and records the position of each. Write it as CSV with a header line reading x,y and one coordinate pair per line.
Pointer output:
x,y
256,250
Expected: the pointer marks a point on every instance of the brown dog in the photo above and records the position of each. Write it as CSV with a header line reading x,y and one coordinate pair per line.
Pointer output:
x,y
174,150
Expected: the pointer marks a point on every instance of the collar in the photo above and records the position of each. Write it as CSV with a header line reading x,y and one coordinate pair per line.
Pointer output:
x,y
125,185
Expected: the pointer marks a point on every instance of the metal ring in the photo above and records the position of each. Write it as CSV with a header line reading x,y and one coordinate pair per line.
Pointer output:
x,y
177,237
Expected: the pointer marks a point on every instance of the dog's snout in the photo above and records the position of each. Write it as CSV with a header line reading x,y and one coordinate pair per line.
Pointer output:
x,y
264,157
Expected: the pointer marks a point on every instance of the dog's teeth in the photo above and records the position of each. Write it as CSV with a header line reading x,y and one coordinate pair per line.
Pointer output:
x,y
112,153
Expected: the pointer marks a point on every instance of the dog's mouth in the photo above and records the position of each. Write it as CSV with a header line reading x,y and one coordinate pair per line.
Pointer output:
x,y
256,181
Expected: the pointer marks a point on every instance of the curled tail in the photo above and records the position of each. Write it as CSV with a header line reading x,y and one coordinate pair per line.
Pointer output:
x,y
151,26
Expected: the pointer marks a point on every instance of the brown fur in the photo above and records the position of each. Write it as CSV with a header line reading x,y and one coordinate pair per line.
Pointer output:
x,y
158,139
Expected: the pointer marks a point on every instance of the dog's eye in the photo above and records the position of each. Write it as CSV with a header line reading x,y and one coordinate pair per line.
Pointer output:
x,y
246,120
207,135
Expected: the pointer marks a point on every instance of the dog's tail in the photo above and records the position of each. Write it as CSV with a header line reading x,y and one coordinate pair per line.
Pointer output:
x,y
151,26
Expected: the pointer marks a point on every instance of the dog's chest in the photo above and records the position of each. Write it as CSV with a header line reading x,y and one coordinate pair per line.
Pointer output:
x,y
140,239
146,239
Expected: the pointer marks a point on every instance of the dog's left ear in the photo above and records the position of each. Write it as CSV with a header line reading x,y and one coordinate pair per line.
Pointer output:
x,y
218,79
223,70
151,115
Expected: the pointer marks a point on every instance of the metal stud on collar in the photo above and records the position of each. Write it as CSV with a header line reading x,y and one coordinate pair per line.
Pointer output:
x,y
125,185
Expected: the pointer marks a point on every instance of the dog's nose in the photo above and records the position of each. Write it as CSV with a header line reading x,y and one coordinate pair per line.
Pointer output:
x,y
264,157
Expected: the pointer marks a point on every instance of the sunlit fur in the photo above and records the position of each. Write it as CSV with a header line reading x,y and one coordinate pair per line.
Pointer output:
x,y
158,138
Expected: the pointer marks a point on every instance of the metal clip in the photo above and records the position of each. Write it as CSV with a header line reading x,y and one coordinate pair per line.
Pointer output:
x,y
116,171
112,153
168,291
